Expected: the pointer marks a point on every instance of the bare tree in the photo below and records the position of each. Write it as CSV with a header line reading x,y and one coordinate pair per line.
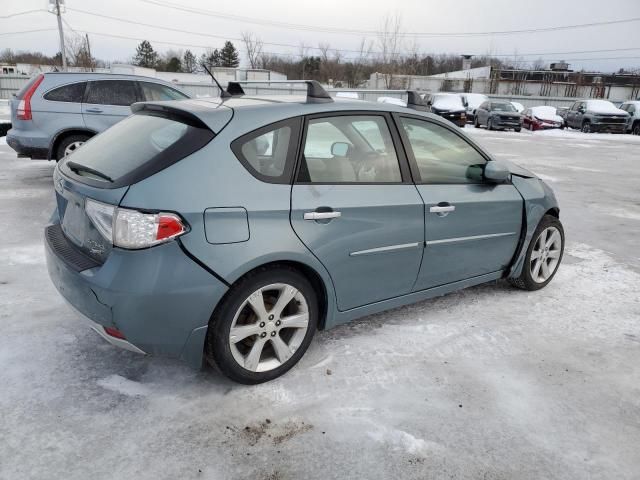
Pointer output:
x,y
389,42
77,52
253,45
538,64
355,70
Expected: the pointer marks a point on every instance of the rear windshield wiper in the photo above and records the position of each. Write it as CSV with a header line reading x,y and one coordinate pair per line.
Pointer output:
x,y
76,167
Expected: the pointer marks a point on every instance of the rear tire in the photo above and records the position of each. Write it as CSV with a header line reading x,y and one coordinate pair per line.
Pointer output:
x,y
278,347
476,123
534,275
69,144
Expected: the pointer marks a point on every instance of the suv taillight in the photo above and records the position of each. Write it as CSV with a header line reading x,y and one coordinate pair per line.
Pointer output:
x,y
23,112
131,229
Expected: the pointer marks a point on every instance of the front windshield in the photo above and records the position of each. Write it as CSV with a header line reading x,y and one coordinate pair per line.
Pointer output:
x,y
503,107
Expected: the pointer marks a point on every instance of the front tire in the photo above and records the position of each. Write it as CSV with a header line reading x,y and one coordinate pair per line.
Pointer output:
x,y
263,326
586,127
544,255
636,128
517,129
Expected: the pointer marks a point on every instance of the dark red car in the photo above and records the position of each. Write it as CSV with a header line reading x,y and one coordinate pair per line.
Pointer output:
x,y
540,118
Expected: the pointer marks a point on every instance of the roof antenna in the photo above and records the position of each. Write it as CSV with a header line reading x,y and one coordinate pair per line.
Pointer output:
x,y
223,93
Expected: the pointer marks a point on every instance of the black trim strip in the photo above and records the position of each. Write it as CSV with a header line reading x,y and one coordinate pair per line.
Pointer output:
x,y
204,266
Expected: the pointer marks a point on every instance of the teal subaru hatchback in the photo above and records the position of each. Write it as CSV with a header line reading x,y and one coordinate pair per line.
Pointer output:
x,y
227,231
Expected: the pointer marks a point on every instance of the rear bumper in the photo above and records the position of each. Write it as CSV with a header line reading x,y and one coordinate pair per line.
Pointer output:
x,y
156,297
33,147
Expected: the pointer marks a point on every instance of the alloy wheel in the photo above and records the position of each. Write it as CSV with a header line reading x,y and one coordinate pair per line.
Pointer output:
x,y
269,327
72,147
545,255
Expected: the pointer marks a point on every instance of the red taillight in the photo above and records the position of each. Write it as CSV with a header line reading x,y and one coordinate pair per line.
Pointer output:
x,y
169,226
114,332
23,111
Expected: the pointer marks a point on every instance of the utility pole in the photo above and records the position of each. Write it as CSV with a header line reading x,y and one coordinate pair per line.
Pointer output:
x,y
60,31
86,35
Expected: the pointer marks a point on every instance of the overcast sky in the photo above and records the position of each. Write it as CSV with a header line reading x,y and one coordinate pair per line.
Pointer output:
x,y
423,16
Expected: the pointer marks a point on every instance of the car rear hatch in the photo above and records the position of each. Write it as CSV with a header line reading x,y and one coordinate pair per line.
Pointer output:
x,y
95,178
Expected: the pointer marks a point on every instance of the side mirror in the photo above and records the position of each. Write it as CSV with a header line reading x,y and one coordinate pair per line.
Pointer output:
x,y
496,172
340,149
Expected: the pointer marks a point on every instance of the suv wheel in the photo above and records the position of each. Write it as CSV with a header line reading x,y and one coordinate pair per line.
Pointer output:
x,y
636,128
490,124
263,326
543,255
70,144
586,127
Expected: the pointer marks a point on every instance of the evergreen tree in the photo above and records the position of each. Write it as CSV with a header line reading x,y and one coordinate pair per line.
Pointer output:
x,y
173,65
211,59
146,56
229,55
189,63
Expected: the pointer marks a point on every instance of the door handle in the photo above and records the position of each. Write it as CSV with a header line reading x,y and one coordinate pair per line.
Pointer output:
x,y
442,210
321,215
94,110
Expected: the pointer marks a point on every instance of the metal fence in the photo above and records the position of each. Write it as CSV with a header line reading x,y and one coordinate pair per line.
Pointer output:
x,y
10,84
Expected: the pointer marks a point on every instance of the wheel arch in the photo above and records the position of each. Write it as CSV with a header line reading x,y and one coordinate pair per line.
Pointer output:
x,y
309,273
59,136
554,212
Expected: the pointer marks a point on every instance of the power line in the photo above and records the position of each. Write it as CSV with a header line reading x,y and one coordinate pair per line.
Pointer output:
x,y
298,26
22,13
29,31
133,22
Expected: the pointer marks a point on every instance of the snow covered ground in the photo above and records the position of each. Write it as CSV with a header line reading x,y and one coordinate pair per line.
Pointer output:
x,y
487,383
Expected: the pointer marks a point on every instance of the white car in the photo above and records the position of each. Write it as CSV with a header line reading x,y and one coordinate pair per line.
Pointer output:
x,y
471,101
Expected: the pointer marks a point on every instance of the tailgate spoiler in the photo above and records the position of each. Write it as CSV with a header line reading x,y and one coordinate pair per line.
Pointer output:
x,y
210,113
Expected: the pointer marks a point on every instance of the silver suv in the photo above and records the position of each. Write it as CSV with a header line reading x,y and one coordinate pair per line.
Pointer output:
x,y
55,113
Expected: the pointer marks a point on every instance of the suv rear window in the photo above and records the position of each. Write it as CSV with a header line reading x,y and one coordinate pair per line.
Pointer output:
x,y
67,93
136,148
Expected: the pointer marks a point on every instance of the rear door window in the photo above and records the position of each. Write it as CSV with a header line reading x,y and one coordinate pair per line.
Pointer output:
x,y
73,93
157,92
112,92
135,148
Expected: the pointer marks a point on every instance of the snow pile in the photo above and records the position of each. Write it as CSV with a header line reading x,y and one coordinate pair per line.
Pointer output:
x,y
353,95
546,113
603,106
392,100
447,102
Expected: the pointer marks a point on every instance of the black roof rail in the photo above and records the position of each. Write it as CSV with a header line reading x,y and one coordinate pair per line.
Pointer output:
x,y
415,101
315,92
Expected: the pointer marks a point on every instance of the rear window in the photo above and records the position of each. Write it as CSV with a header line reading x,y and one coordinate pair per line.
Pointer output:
x,y
157,92
67,93
135,148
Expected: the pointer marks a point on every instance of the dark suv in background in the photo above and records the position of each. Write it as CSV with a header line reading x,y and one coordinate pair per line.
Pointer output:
x,y
497,115
55,113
